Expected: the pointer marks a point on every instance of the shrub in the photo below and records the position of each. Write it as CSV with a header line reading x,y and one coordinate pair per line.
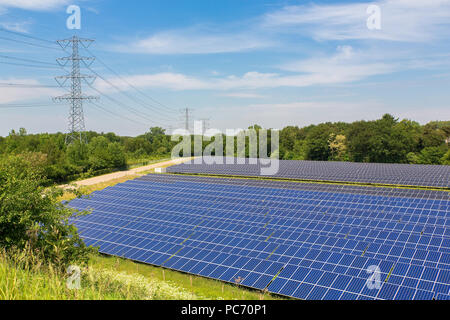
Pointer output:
x,y
31,215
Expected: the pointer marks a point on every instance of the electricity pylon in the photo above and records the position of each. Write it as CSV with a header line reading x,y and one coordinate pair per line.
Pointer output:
x,y
75,97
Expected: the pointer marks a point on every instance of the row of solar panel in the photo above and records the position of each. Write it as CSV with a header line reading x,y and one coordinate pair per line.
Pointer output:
x,y
289,186
421,223
401,274
293,250
132,220
370,250
389,210
424,240
438,208
282,200
419,220
387,239
429,274
283,195
419,175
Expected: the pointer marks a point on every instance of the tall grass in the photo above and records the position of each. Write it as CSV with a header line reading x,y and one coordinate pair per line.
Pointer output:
x,y
24,277
201,287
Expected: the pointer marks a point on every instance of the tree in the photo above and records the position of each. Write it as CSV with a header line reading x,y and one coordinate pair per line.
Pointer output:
x,y
32,216
103,154
338,147
446,158
317,142
435,134
432,155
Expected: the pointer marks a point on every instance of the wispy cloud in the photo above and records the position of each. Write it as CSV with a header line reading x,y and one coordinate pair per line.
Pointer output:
x,y
243,95
22,27
34,5
344,66
402,20
196,41
16,94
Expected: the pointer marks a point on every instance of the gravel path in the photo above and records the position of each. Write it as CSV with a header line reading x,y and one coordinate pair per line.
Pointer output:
x,y
120,174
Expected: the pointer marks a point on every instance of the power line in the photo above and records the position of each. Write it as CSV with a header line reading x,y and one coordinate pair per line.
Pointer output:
x,y
133,110
28,60
124,93
116,114
136,112
29,43
27,65
130,84
27,36
7,106
24,85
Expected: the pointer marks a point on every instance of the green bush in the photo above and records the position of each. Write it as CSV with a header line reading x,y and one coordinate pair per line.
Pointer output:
x,y
32,216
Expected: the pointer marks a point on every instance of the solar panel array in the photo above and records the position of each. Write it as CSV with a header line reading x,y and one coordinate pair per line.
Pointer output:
x,y
306,241
395,174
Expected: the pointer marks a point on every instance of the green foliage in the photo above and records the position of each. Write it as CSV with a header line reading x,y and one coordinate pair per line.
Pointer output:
x,y
102,153
32,216
432,155
446,158
386,140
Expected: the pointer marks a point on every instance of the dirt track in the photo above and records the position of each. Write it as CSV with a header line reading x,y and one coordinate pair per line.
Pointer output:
x,y
120,174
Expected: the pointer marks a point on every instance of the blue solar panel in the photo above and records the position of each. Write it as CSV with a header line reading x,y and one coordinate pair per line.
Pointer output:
x,y
317,240
399,174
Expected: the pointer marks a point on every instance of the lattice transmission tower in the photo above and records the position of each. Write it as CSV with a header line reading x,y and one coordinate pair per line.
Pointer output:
x,y
186,114
75,97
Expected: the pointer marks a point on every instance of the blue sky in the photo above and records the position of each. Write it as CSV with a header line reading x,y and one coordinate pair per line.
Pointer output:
x,y
275,63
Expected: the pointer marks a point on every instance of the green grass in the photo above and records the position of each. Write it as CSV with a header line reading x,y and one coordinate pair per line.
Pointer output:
x,y
28,279
24,277
202,288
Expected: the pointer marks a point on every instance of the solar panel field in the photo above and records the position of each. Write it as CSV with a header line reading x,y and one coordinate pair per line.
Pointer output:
x,y
301,240
376,173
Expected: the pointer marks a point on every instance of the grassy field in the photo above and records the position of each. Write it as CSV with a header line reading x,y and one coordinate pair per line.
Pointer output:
x,y
200,287
110,278
34,281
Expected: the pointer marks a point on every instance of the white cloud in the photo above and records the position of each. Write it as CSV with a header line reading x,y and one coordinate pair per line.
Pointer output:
x,y
195,41
16,26
34,5
168,80
347,65
344,66
244,95
17,94
401,20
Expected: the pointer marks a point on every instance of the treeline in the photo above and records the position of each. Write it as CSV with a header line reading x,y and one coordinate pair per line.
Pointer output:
x,y
387,140
101,154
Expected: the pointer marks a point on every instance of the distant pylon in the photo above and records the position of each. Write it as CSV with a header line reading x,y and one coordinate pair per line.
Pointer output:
x,y
186,118
75,97
205,125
